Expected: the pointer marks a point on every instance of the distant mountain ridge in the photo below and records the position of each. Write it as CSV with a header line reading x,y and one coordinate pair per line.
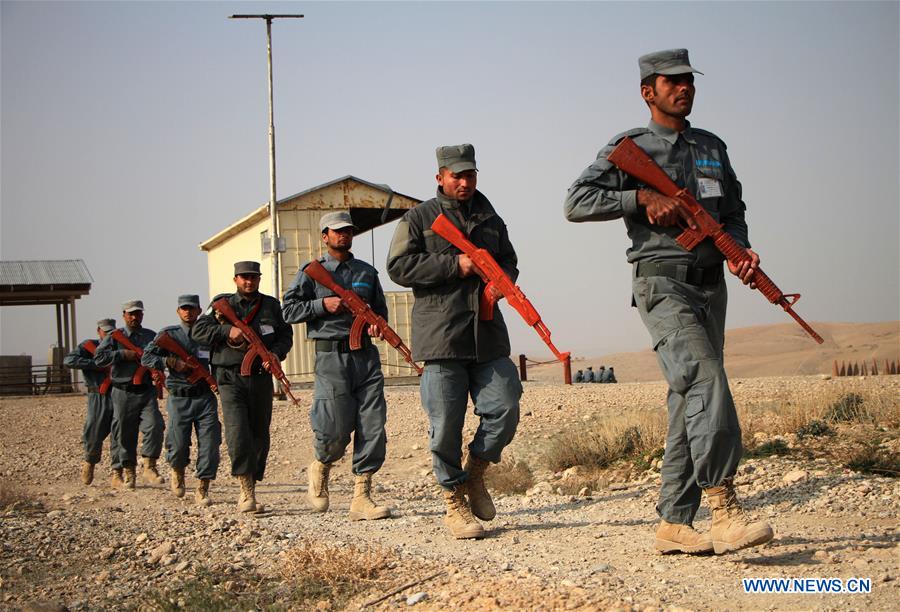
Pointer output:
x,y
764,350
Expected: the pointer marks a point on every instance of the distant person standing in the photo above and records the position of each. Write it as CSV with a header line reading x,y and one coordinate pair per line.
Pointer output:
x,y
464,355
681,297
246,400
191,406
349,386
135,406
98,419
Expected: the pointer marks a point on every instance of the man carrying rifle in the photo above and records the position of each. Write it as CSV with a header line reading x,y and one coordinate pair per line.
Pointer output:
x,y
135,406
349,386
191,405
246,400
98,419
681,297
464,355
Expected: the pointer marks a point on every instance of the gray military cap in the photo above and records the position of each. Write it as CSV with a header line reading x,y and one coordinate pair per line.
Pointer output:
x,y
246,267
189,299
670,61
456,158
132,306
106,325
336,221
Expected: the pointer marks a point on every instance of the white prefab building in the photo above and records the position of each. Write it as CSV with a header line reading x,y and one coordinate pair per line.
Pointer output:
x,y
370,205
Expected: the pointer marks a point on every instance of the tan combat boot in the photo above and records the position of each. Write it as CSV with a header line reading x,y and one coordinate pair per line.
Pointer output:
x,y
150,473
247,501
117,481
362,508
672,537
129,477
731,527
459,519
480,501
318,485
87,472
201,494
178,481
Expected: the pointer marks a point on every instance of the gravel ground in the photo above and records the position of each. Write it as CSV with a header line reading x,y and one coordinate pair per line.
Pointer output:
x,y
92,547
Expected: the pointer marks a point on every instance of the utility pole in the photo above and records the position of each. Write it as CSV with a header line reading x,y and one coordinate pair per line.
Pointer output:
x,y
277,246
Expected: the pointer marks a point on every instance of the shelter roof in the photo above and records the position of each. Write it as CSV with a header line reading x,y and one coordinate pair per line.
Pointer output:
x,y
367,203
43,281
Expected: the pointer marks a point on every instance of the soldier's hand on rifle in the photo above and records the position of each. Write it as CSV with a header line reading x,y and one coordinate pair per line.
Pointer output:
x,y
496,294
236,339
466,266
745,269
375,332
663,210
332,304
130,355
175,364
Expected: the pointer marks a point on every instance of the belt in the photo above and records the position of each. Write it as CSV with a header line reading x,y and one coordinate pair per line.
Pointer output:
x,y
195,391
685,273
93,389
132,387
341,346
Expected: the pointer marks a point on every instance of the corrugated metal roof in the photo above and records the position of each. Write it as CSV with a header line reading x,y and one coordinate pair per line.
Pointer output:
x,y
45,272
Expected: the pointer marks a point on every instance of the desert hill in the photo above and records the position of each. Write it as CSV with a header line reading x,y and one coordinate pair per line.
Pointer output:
x,y
764,350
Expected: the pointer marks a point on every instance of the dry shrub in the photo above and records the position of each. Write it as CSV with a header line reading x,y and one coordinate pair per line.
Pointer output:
x,y
335,573
602,443
509,476
12,496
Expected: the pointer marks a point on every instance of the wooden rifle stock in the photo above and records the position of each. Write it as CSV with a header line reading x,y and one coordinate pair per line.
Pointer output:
x,y
197,371
157,376
494,278
91,347
362,313
270,360
634,161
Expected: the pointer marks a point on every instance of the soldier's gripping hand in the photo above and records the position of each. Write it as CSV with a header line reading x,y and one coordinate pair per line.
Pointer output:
x,y
332,304
745,269
663,210
466,267
236,339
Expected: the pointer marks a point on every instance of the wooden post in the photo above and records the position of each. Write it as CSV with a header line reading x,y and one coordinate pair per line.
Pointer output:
x,y
567,370
834,370
874,367
843,370
523,373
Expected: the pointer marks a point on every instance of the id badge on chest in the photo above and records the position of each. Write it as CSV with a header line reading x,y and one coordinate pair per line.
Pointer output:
x,y
265,330
709,187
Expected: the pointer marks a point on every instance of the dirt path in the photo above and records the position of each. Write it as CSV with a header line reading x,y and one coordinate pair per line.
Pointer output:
x,y
92,547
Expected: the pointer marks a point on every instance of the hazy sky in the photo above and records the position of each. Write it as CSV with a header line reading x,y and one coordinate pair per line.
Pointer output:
x,y
133,131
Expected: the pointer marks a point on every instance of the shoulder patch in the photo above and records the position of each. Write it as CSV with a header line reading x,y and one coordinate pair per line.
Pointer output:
x,y
710,134
632,132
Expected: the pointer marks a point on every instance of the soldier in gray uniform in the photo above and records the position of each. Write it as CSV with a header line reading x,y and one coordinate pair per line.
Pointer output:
x,y
246,400
681,298
600,375
98,419
463,354
349,385
609,376
190,406
589,375
135,407
579,377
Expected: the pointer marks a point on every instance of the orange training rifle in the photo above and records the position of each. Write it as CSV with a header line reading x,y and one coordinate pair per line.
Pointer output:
x,y
158,376
494,277
362,313
633,160
91,347
197,370
270,360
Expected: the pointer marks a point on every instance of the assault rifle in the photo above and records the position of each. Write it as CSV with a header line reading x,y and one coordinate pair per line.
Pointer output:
x,y
633,160
362,313
91,347
270,360
157,376
495,278
197,370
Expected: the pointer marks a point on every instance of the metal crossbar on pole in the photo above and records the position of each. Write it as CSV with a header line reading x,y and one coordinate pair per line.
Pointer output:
x,y
274,240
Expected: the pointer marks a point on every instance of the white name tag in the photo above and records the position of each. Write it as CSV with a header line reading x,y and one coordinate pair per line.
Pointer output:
x,y
203,354
265,330
709,188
